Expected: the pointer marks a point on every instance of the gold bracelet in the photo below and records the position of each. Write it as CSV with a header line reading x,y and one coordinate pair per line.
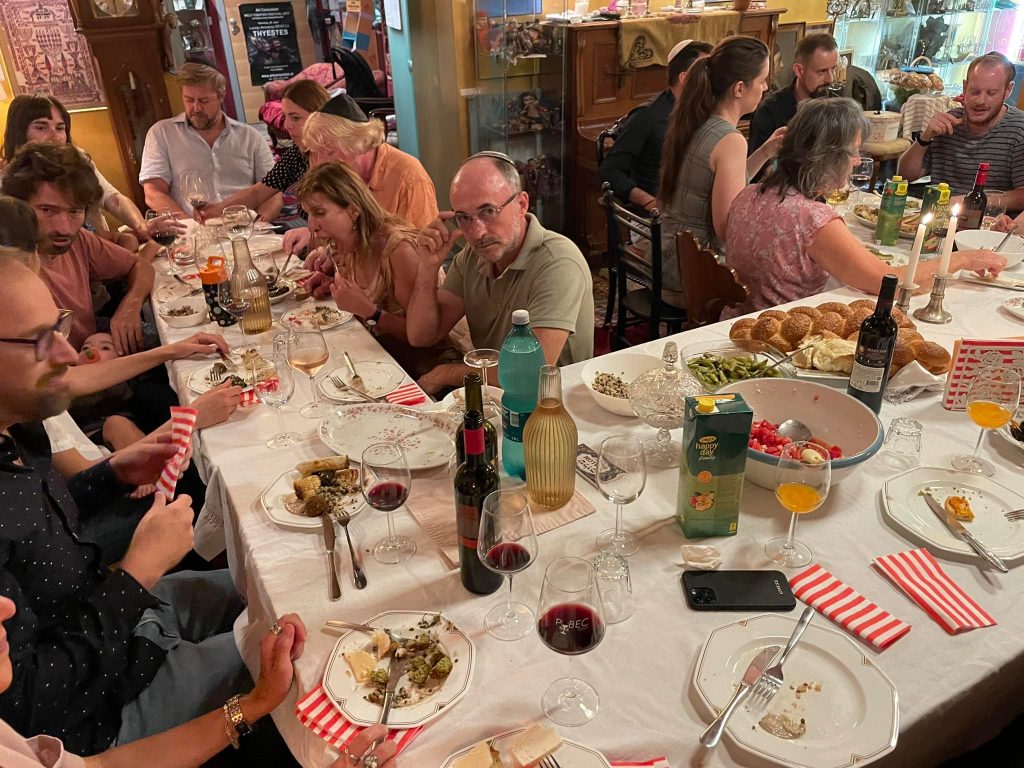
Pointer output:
x,y
235,724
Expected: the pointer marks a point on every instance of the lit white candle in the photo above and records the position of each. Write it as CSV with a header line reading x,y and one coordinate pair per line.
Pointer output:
x,y
915,252
947,244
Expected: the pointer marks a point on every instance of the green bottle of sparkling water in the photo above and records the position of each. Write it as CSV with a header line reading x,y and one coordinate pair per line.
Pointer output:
x,y
890,212
520,359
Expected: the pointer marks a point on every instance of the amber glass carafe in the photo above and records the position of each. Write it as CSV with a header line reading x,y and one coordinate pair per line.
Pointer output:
x,y
249,282
549,444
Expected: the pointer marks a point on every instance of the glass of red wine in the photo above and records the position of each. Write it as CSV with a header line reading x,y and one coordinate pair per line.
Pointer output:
x,y
572,623
507,544
164,237
385,480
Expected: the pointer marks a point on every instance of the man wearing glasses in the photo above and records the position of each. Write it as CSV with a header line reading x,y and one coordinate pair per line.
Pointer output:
x,y
510,262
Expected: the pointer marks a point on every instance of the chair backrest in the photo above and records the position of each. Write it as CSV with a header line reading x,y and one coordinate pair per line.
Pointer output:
x,y
708,286
626,228
861,87
606,139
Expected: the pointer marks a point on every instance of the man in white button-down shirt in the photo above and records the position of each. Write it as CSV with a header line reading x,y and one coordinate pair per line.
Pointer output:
x,y
227,154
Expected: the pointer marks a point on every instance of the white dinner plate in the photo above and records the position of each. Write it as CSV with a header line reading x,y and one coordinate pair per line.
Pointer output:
x,y
199,381
347,695
570,755
1015,306
428,439
289,286
852,720
905,506
302,318
279,502
379,379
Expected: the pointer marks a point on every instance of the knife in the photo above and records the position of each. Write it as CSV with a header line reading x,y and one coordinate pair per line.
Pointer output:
x,y
713,733
957,529
328,525
356,382
398,667
998,282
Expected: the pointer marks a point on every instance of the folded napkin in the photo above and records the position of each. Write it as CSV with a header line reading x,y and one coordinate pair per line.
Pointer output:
x,y
431,504
657,762
317,712
911,381
183,422
919,574
847,608
968,276
407,394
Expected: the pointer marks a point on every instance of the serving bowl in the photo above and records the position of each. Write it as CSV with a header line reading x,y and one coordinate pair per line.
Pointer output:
x,y
986,239
732,349
627,366
198,317
832,416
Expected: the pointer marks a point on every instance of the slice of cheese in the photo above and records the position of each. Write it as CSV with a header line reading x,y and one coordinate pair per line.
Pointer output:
x,y
478,757
361,663
536,742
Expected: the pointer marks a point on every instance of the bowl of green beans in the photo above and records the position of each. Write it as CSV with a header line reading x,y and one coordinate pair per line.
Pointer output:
x,y
716,364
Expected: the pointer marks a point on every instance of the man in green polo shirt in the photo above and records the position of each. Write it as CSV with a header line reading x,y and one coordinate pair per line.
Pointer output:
x,y
511,262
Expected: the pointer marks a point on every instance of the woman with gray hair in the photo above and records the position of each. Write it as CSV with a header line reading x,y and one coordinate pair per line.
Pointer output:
x,y
785,244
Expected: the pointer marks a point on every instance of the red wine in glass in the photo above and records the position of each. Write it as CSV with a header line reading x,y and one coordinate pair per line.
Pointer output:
x,y
508,557
165,239
387,496
385,481
570,628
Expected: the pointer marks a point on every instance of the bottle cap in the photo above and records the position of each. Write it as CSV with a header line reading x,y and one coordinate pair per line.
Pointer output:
x,y
983,166
521,317
897,178
705,405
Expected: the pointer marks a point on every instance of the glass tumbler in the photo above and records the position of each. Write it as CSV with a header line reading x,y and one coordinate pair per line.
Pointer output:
x,y
616,587
902,448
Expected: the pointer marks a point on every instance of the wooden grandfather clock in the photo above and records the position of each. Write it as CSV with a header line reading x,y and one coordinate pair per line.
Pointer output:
x,y
127,39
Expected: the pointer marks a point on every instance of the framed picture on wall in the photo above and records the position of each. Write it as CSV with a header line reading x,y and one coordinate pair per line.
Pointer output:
x,y
818,28
786,39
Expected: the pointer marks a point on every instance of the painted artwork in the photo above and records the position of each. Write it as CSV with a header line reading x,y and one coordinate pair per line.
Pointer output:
x,y
47,55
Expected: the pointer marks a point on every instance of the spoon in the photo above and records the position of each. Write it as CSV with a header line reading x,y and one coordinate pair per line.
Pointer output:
x,y
358,577
795,430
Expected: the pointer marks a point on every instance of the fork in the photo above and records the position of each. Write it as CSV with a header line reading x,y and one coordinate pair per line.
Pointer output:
x,y
549,762
343,387
365,628
771,679
1014,514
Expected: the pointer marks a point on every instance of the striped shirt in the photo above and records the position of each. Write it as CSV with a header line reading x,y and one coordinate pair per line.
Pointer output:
x,y
954,159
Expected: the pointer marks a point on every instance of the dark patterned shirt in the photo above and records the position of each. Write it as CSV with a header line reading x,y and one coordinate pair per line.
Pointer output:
x,y
288,170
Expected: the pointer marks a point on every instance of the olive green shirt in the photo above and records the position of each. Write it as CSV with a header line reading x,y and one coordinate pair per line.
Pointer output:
x,y
549,277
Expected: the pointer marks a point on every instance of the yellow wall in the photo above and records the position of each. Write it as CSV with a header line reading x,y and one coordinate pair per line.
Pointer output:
x,y
798,10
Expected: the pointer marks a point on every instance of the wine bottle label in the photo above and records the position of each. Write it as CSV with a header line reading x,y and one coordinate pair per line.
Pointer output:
x,y
467,519
867,378
512,424
474,441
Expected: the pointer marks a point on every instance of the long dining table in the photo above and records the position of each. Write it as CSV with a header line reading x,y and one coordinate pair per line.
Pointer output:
x,y
955,691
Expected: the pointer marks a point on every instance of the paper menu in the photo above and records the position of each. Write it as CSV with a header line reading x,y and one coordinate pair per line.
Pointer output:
x,y
971,355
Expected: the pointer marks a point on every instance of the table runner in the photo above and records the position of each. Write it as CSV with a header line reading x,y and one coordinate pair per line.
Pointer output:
x,y
648,41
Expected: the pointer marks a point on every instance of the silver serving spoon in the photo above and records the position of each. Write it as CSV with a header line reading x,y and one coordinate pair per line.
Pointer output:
x,y
795,430
358,577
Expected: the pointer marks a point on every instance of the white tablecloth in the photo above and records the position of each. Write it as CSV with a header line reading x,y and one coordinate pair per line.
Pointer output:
x,y
954,692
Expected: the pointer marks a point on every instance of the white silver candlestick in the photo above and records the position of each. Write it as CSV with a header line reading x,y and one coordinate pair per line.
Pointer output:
x,y
933,312
903,294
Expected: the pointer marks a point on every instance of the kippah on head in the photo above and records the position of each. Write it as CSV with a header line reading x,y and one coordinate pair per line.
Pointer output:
x,y
677,49
345,106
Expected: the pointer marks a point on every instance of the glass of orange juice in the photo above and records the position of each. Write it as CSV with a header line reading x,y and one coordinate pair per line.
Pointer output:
x,y
802,480
991,400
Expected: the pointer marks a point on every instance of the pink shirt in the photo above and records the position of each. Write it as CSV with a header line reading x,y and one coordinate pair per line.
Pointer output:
x,y
767,242
46,751
68,276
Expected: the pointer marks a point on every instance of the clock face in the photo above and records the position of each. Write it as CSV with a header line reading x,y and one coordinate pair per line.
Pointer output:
x,y
115,8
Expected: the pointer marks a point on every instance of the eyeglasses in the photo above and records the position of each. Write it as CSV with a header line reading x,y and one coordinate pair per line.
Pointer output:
x,y
486,214
43,342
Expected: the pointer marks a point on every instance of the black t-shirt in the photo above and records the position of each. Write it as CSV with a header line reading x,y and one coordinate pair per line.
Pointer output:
x,y
774,112
635,158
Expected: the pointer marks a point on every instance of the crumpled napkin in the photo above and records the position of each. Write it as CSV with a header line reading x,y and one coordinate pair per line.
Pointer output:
x,y
701,557
911,381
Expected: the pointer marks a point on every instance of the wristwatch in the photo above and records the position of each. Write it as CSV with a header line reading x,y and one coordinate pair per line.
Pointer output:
x,y
924,143
372,320
235,724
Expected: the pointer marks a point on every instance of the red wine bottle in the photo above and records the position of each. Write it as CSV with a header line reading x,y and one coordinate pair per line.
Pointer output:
x,y
973,211
875,346
475,402
474,480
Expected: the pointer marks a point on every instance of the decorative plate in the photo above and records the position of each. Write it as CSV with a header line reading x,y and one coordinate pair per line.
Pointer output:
x,y
1015,306
348,695
1004,432
282,507
379,379
202,380
569,755
428,439
906,507
849,706
304,318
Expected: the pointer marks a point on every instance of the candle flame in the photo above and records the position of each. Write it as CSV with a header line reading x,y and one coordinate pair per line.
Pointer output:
x,y
927,219
956,210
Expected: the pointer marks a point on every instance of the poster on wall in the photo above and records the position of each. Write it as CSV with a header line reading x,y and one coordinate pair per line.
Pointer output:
x,y
270,41
46,55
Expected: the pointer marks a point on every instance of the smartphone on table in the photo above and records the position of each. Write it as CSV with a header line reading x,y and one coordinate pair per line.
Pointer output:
x,y
738,591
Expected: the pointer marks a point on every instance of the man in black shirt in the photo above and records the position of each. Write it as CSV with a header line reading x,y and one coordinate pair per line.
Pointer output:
x,y
814,67
632,165
97,654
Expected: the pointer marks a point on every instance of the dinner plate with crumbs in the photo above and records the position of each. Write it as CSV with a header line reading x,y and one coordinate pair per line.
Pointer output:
x,y
1014,435
570,755
379,379
281,505
905,506
836,708
426,689
1015,306
428,439
306,317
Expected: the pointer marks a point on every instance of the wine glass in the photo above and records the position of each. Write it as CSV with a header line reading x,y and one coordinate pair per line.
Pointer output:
x,y
621,476
484,359
991,400
507,544
307,352
238,222
267,266
571,622
183,258
860,176
276,390
838,196
385,480
195,189
995,207
163,237
802,480
236,304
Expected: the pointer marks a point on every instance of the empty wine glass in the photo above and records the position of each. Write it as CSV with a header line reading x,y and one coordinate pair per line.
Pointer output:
x,y
238,222
307,352
571,623
992,398
276,390
802,480
507,544
385,480
236,304
195,189
621,476
995,207
484,359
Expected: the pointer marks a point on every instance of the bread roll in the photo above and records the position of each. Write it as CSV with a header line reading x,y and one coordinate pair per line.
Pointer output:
x,y
829,321
782,344
741,328
778,314
854,320
898,316
906,322
853,336
305,468
908,335
901,354
811,312
835,306
795,327
764,328
863,304
306,487
931,355
741,335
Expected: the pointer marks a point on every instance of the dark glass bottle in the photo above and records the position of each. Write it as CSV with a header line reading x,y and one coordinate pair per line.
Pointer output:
x,y
975,202
475,402
875,346
474,480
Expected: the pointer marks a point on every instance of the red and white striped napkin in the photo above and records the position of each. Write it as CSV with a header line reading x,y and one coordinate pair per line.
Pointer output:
x,y
919,574
183,422
248,399
847,608
407,394
657,762
317,712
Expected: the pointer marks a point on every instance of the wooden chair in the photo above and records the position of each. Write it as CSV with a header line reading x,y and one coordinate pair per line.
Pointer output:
x,y
709,286
626,229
